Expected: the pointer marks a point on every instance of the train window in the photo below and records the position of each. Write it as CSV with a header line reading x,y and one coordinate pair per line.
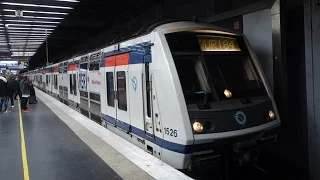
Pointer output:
x,y
148,89
65,69
191,77
56,82
110,88
236,73
122,90
71,86
94,66
74,84
84,66
95,97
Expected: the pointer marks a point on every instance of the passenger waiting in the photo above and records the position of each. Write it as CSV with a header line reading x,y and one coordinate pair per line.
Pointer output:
x,y
11,89
3,89
33,99
25,91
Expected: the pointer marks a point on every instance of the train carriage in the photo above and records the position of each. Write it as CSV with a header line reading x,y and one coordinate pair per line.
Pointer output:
x,y
182,91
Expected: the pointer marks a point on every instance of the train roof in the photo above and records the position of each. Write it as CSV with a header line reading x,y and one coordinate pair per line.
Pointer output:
x,y
192,25
166,26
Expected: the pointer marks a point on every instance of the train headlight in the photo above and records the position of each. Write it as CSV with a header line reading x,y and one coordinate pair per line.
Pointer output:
x,y
271,114
227,93
197,126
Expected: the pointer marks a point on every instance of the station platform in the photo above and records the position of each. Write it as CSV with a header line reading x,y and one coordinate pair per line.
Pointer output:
x,y
54,141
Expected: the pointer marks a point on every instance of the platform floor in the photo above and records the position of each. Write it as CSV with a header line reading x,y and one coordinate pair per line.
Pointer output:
x,y
54,151
60,143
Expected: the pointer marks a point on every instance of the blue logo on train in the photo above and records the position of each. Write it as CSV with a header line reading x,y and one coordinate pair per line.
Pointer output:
x,y
240,117
134,83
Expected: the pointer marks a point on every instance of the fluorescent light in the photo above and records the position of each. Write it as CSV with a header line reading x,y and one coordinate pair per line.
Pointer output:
x,y
28,25
29,32
35,38
21,49
23,21
74,1
26,40
27,37
35,5
30,28
40,12
15,40
35,17
30,43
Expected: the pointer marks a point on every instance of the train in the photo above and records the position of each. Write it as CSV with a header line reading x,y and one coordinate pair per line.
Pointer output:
x,y
183,91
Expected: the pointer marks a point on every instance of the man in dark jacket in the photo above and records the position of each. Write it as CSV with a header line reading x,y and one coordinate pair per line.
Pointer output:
x,y
3,90
18,91
25,91
11,88
32,99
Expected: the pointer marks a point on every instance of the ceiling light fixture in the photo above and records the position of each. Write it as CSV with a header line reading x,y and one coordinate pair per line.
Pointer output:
x,y
30,25
34,17
29,32
31,28
26,34
35,5
40,12
23,21
74,1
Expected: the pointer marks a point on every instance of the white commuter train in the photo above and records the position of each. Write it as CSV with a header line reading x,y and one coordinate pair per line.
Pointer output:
x,y
182,91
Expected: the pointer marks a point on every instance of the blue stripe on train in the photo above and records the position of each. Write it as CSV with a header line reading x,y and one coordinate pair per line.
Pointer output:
x,y
179,148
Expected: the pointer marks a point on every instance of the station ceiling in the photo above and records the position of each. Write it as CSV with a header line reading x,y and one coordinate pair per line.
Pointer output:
x,y
72,26
88,19
25,24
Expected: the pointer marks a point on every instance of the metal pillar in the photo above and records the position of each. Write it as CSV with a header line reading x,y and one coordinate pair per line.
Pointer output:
x,y
47,53
312,63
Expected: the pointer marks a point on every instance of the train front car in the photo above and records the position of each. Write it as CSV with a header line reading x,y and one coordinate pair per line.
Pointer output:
x,y
227,97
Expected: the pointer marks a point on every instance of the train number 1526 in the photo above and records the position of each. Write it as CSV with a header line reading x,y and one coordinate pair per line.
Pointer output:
x,y
171,132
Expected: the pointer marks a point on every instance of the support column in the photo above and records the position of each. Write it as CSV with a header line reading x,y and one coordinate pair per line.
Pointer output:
x,y
312,57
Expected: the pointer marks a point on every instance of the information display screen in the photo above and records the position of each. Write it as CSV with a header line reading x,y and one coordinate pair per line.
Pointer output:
x,y
217,43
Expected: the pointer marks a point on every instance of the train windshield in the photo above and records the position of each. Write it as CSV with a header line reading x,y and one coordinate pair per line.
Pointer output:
x,y
207,65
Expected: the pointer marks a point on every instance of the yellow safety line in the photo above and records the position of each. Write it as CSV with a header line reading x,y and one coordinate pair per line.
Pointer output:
x,y
23,147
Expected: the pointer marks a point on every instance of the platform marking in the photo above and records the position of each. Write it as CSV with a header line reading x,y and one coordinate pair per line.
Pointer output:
x,y
23,147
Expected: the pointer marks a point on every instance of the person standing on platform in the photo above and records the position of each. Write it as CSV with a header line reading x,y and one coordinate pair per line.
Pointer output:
x,y
11,89
33,98
8,96
3,90
18,90
25,91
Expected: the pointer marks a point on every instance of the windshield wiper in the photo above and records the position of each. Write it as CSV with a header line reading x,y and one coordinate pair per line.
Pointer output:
x,y
205,104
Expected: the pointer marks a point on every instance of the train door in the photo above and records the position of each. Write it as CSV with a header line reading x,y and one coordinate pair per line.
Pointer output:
x,y
73,84
75,88
52,83
110,97
147,84
94,86
70,84
117,94
82,86
121,85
